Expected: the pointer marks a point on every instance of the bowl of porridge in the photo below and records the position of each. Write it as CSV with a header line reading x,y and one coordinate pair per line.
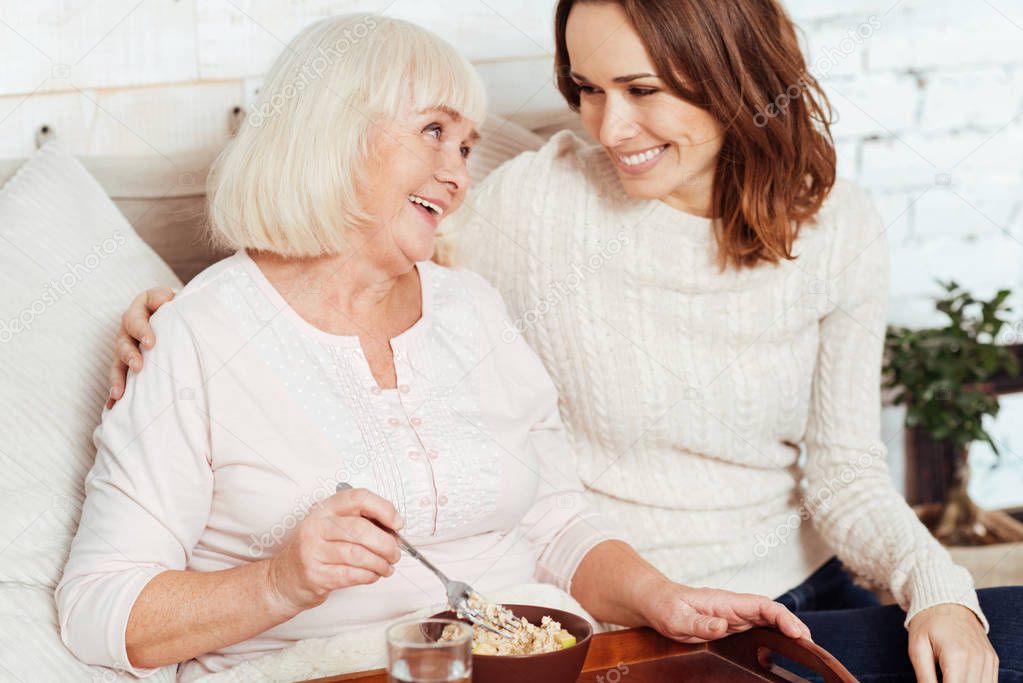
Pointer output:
x,y
550,645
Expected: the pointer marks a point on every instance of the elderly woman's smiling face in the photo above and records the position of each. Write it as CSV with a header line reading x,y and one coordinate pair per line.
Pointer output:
x,y
417,174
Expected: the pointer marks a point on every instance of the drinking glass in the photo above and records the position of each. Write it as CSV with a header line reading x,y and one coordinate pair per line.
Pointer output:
x,y
417,654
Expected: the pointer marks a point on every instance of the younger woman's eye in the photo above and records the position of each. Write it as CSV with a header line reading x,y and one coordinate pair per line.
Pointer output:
x,y
642,92
587,89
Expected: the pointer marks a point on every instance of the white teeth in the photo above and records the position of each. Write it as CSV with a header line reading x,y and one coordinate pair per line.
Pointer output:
x,y
430,205
636,159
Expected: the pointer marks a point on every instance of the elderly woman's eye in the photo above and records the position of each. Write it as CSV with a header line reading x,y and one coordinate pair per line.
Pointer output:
x,y
434,128
466,151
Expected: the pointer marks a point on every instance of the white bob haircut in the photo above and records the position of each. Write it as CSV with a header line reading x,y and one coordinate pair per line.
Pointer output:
x,y
287,183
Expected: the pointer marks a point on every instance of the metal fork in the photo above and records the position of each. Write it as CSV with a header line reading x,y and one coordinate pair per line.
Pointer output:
x,y
458,592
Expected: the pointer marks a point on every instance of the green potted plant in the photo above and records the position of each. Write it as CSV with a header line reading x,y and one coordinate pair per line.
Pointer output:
x,y
939,374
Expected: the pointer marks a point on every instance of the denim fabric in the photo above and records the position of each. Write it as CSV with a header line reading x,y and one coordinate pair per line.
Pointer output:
x,y
870,640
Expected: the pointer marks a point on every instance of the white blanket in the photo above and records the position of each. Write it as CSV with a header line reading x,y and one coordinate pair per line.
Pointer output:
x,y
366,649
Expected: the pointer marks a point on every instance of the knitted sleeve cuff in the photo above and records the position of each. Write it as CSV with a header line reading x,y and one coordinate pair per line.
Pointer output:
x,y
930,586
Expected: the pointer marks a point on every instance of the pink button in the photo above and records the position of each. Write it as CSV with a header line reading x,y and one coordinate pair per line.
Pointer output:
x,y
416,422
424,502
432,453
393,421
443,500
403,388
413,455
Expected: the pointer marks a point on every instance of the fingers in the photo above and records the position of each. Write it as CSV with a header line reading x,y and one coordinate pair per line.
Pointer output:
x,y
954,666
158,296
992,667
922,657
361,502
127,352
364,533
135,320
354,576
965,662
697,627
706,628
777,615
355,555
116,377
744,610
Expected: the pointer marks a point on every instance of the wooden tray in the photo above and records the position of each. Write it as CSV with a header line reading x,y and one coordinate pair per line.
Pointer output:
x,y
641,655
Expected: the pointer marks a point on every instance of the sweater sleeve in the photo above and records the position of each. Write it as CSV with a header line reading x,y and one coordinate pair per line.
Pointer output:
x,y
147,499
849,489
560,522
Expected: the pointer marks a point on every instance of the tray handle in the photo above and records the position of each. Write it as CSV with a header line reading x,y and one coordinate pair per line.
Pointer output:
x,y
754,647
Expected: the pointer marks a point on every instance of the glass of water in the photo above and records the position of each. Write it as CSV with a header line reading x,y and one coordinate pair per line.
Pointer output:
x,y
417,654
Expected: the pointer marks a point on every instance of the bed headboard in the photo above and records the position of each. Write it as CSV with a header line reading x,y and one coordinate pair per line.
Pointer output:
x,y
164,196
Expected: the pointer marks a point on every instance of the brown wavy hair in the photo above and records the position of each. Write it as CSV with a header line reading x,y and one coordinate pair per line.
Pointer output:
x,y
739,60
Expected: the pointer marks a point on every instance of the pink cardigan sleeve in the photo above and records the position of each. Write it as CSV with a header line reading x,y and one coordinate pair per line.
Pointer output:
x,y
147,499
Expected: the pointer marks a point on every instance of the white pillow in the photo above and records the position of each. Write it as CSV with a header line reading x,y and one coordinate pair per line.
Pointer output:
x,y
69,265
500,141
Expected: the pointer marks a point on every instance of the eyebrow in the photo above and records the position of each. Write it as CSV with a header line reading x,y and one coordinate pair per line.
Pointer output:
x,y
456,116
618,79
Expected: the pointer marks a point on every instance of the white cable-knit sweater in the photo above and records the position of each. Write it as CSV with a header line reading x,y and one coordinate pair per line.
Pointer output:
x,y
690,393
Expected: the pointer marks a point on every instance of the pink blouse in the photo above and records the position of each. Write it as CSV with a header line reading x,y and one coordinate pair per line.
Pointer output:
x,y
246,415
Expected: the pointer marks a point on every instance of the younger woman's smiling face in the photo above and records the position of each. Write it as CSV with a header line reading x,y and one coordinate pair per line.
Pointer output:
x,y
662,146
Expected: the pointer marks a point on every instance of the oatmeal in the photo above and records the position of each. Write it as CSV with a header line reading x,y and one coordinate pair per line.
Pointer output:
x,y
528,638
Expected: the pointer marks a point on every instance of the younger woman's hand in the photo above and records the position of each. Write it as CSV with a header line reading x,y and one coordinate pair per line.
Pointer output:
x,y
952,636
133,332
693,615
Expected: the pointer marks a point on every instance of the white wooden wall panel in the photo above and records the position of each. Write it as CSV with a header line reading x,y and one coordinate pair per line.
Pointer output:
x,y
533,100
59,45
239,38
152,121
29,46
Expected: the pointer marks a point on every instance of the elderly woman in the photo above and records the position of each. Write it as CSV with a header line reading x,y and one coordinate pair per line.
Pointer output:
x,y
327,349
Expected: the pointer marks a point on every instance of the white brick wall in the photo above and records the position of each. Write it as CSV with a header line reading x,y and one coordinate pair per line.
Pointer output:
x,y
930,119
928,95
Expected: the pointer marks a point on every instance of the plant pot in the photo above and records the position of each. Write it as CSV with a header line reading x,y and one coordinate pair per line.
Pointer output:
x,y
937,481
931,468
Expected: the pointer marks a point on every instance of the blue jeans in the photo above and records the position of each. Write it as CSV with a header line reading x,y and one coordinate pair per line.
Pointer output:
x,y
870,640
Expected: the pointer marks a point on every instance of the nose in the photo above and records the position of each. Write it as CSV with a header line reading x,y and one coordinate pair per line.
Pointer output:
x,y
616,125
453,172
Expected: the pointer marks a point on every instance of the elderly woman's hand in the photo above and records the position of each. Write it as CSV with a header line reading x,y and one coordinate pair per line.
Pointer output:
x,y
335,546
693,615
133,332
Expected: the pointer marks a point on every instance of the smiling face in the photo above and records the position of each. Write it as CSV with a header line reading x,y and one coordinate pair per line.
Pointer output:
x,y
662,146
417,175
